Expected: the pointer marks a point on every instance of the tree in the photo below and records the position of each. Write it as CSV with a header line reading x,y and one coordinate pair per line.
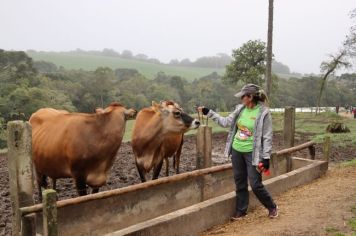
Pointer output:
x,y
141,56
174,62
185,62
45,67
278,67
350,42
269,49
248,64
337,61
101,85
126,54
110,52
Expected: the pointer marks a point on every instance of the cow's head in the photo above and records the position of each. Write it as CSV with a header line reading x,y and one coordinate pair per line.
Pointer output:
x,y
174,118
128,113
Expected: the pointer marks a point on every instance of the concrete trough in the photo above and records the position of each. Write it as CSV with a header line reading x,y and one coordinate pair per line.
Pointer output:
x,y
183,204
218,210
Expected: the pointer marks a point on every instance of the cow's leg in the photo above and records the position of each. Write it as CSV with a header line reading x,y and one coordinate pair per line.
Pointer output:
x,y
141,172
157,170
177,157
166,160
54,186
41,183
177,162
54,183
95,190
81,186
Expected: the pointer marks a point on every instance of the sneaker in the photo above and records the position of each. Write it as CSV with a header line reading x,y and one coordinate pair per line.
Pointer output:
x,y
273,212
238,216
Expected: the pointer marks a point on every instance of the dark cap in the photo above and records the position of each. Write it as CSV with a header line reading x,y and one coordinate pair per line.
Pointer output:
x,y
248,89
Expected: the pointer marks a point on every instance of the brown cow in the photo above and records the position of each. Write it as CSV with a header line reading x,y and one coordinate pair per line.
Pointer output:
x,y
157,135
77,145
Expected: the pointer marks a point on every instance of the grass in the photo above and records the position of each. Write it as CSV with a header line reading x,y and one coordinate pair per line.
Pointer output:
x,y
349,164
334,231
352,221
316,126
91,62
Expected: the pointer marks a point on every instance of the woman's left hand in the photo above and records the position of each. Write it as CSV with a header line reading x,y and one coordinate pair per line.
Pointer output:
x,y
204,110
265,163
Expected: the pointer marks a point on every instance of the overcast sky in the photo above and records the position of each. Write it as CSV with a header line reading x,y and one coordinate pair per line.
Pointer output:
x,y
305,31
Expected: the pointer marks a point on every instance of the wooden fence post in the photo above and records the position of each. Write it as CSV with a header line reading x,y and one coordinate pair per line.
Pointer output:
x,y
312,152
274,159
28,225
49,197
289,132
326,148
19,157
204,147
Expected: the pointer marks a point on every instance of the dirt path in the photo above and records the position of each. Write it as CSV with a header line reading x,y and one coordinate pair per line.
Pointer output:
x,y
324,207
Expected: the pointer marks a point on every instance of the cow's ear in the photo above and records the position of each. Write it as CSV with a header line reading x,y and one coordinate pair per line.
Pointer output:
x,y
99,110
156,107
130,113
163,103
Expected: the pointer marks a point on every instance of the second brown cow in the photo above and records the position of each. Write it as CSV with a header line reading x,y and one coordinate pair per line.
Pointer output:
x,y
158,134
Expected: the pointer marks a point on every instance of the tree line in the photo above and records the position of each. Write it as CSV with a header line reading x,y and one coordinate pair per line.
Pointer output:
x,y
28,85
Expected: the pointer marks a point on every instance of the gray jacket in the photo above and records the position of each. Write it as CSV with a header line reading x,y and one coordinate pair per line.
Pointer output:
x,y
262,145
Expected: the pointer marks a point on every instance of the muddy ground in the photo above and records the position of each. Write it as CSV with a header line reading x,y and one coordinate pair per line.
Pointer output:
x,y
124,172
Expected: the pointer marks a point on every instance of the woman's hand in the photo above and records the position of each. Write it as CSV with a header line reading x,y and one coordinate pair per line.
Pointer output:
x,y
204,110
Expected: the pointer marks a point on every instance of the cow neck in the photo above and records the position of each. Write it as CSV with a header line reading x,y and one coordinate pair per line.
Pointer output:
x,y
153,131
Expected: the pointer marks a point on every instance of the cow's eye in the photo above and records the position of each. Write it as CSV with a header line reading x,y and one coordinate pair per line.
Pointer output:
x,y
177,113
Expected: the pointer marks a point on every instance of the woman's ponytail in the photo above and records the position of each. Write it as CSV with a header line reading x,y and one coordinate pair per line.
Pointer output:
x,y
261,96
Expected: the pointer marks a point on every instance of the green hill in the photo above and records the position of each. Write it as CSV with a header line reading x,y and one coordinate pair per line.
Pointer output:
x,y
71,60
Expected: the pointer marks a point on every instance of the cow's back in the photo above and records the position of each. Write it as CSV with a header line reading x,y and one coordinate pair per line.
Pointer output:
x,y
44,114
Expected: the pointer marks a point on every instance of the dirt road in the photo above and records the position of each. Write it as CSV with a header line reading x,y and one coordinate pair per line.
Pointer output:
x,y
326,206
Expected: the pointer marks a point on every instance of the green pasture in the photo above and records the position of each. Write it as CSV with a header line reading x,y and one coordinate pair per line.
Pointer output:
x,y
91,62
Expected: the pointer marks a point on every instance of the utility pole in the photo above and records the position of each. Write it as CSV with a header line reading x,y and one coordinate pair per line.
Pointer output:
x,y
269,49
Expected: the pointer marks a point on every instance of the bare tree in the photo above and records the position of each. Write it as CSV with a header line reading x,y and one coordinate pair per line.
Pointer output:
x,y
269,49
328,67
340,59
350,42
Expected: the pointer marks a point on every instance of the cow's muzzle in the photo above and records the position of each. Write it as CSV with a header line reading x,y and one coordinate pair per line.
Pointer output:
x,y
195,124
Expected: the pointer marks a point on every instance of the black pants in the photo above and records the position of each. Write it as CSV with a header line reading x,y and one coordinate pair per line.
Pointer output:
x,y
243,169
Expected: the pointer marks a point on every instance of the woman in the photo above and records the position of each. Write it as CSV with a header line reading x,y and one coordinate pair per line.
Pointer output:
x,y
250,144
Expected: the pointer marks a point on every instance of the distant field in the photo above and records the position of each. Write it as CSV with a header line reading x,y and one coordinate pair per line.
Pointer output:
x,y
91,62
